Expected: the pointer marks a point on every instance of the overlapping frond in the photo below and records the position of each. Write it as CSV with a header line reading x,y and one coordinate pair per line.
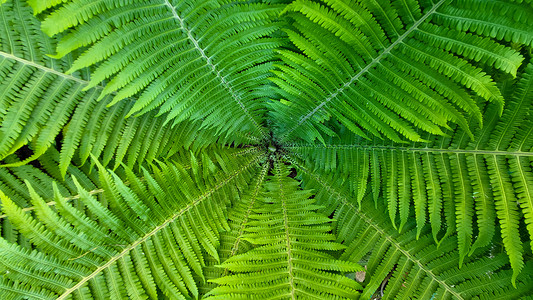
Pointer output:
x,y
134,240
233,242
290,259
43,107
407,122
194,60
394,69
406,264
453,183
12,184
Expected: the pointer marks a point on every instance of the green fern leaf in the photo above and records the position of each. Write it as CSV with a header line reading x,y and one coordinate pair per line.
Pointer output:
x,y
388,73
287,262
108,250
478,177
408,264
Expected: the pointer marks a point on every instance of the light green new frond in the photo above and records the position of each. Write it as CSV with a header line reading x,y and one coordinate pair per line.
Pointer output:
x,y
131,248
12,184
289,260
233,242
392,68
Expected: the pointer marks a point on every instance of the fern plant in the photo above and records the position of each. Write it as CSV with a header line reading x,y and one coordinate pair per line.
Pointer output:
x,y
266,149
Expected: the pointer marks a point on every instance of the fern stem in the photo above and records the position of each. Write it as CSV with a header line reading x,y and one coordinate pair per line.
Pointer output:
x,y
213,68
52,203
44,68
286,225
253,197
410,149
98,191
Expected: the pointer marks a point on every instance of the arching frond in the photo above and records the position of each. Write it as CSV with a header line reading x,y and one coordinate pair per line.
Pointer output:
x,y
406,264
195,60
150,235
391,69
12,184
452,183
42,106
233,242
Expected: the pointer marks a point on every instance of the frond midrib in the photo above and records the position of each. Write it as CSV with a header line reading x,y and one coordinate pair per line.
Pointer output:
x,y
44,68
375,61
99,191
171,219
53,203
246,216
213,67
368,220
287,233
415,149
522,99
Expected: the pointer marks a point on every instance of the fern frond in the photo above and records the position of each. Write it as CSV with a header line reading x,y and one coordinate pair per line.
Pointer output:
x,y
289,260
40,102
135,245
12,184
233,242
490,19
192,60
408,264
484,179
235,149
391,68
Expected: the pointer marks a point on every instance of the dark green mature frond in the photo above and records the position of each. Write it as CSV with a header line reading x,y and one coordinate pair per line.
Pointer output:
x,y
390,68
195,60
153,235
453,183
290,260
40,102
406,264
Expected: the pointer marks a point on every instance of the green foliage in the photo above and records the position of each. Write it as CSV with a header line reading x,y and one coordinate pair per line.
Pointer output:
x,y
409,264
151,233
40,101
491,176
393,67
187,76
289,260
266,149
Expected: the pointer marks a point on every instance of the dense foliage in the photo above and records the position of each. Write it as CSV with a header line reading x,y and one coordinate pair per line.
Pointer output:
x,y
266,149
